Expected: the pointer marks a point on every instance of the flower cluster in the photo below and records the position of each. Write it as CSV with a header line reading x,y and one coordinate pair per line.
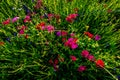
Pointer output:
x,y
43,26
70,18
71,43
90,35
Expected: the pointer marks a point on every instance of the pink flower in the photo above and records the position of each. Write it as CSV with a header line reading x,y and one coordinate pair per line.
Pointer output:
x,y
15,19
81,68
85,53
50,28
74,46
91,58
27,19
50,16
58,33
56,67
72,34
73,58
71,42
97,37
21,31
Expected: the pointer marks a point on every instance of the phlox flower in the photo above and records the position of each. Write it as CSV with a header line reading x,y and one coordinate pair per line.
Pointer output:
x,y
81,68
21,31
97,37
73,58
15,19
58,33
91,57
6,22
85,53
41,26
72,34
74,46
71,42
50,28
27,19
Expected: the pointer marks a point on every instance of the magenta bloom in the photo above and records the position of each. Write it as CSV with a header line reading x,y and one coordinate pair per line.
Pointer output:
x,y
72,34
56,67
91,58
74,46
71,42
27,19
15,19
97,37
73,58
21,31
81,68
85,53
50,28
58,33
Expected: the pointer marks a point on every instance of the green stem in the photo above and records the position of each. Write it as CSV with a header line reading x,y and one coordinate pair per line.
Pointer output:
x,y
110,73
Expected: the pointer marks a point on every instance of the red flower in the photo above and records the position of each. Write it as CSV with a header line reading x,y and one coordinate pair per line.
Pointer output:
x,y
26,36
6,22
64,33
89,34
73,16
38,4
50,61
99,63
56,61
70,18
41,26
73,58
64,39
24,27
